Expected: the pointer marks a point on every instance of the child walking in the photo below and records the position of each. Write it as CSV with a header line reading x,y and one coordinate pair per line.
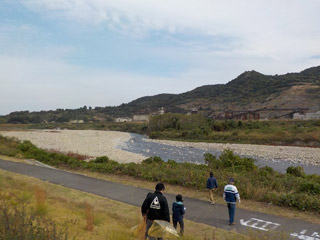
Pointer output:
x,y
178,210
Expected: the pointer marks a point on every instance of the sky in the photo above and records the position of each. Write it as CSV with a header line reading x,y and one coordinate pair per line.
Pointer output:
x,y
74,53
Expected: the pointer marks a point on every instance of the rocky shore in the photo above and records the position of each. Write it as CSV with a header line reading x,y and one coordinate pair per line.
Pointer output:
x,y
85,142
292,154
94,143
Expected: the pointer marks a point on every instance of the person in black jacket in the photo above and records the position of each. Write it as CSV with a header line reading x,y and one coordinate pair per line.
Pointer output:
x,y
178,210
155,207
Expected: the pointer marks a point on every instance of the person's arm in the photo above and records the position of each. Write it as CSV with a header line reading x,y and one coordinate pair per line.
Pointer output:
x,y
216,183
237,194
165,211
144,207
182,211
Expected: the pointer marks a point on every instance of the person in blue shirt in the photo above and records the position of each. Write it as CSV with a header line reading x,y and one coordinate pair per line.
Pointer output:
x,y
178,210
212,185
231,195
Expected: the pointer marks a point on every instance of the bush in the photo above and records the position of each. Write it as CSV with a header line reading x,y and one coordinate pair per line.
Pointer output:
x,y
230,160
103,159
309,187
296,171
153,159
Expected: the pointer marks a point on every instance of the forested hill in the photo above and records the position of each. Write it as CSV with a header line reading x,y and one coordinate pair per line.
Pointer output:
x,y
250,91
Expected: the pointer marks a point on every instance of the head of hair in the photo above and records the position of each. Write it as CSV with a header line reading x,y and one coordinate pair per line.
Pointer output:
x,y
231,180
159,187
179,198
211,174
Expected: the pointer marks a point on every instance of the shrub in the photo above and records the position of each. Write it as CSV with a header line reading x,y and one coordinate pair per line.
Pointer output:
x,y
230,160
309,187
103,159
153,159
296,171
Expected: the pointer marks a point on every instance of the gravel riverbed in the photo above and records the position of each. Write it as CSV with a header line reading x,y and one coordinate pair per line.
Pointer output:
x,y
91,143
95,143
291,154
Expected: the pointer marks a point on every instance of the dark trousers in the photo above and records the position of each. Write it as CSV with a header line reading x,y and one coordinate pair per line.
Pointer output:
x,y
181,223
232,211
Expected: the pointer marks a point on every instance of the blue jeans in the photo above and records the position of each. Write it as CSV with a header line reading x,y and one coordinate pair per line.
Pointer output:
x,y
232,210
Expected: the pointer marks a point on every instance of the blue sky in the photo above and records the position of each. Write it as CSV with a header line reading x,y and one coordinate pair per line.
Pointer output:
x,y
71,53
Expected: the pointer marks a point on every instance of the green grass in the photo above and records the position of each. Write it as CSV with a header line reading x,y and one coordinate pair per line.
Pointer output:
x,y
198,128
293,190
71,214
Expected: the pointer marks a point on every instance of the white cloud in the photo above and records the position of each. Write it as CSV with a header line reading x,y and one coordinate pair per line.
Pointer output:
x,y
281,30
214,40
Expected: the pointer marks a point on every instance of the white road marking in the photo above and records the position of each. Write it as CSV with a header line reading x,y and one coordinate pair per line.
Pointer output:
x,y
259,224
302,235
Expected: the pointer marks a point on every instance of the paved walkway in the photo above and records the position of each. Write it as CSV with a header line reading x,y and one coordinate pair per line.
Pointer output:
x,y
197,210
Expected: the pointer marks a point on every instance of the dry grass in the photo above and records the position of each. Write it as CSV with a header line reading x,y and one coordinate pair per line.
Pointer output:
x,y
87,216
202,195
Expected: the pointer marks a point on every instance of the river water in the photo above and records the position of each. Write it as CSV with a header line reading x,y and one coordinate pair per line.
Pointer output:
x,y
139,144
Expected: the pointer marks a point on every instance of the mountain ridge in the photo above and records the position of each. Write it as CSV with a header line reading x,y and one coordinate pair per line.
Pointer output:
x,y
273,95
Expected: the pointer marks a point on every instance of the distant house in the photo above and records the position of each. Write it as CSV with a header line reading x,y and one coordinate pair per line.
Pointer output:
x,y
161,111
238,115
307,116
76,121
141,118
123,120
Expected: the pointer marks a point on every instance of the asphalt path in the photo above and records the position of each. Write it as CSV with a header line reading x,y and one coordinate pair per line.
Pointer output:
x,y
197,210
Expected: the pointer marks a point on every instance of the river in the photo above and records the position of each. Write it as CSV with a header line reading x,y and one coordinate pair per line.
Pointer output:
x,y
139,144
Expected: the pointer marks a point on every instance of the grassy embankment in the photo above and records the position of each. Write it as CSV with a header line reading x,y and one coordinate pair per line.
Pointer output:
x,y
31,209
198,128
294,189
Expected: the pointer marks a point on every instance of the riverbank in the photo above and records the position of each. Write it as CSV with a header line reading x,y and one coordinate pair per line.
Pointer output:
x,y
291,154
94,143
90,143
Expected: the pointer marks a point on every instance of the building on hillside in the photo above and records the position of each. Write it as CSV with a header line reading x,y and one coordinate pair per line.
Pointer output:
x,y
161,111
123,120
307,116
76,121
141,118
237,115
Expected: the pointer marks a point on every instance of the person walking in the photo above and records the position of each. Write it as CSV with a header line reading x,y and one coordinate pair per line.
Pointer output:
x,y
155,207
212,185
178,210
231,195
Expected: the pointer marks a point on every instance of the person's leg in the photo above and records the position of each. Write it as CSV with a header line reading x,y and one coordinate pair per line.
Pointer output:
x,y
148,225
181,226
232,209
211,195
229,211
175,224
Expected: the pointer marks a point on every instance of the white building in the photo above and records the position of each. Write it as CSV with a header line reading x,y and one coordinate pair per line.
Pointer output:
x,y
307,116
123,120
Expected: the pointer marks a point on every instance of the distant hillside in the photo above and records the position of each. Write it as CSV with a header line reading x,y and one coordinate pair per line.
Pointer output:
x,y
250,91
277,96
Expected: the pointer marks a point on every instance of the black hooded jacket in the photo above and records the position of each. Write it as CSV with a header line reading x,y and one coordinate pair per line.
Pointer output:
x,y
155,206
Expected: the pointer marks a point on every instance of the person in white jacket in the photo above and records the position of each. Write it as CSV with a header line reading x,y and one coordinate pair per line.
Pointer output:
x,y
231,195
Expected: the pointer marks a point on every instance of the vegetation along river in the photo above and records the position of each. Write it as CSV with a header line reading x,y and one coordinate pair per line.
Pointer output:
x,y
194,152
